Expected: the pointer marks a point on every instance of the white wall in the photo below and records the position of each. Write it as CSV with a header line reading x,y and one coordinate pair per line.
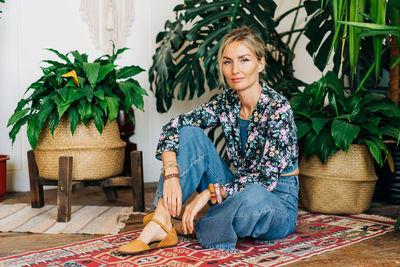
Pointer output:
x,y
29,26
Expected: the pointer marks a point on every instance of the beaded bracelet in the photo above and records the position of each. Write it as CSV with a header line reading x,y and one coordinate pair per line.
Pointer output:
x,y
213,197
218,193
172,175
173,164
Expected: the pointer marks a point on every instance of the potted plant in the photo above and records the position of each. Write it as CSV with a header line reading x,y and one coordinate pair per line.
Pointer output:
x,y
360,38
72,110
349,122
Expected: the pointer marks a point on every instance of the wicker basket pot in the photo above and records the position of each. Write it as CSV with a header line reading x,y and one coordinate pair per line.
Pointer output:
x,y
95,156
343,185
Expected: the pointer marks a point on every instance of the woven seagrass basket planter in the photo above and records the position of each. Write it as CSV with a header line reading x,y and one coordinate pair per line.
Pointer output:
x,y
95,156
343,185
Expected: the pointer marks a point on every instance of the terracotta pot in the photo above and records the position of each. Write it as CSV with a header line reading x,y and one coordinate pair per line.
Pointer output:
x,y
3,175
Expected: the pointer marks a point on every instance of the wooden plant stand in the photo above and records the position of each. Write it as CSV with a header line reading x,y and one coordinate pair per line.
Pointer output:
x,y
65,182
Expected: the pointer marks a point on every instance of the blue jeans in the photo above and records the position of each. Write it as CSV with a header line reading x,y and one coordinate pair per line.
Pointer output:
x,y
253,212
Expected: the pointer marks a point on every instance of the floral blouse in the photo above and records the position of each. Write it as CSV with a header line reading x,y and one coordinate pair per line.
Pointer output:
x,y
271,143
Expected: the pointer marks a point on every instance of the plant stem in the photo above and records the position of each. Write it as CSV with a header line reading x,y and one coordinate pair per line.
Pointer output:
x,y
234,14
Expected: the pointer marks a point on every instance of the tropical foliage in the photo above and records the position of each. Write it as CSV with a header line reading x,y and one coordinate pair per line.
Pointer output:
x,y
186,57
342,27
356,118
78,89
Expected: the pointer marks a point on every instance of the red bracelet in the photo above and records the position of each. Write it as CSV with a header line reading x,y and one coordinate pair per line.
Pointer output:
x,y
213,197
172,175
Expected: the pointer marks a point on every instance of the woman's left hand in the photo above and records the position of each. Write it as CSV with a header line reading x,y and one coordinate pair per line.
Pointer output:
x,y
192,209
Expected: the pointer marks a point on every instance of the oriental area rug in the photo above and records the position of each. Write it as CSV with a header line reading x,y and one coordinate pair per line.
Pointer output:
x,y
315,234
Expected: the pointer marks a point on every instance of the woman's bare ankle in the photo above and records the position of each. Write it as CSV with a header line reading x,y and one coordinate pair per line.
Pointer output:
x,y
162,214
152,231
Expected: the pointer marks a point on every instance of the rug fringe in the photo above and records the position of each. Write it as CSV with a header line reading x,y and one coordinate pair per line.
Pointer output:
x,y
122,218
375,217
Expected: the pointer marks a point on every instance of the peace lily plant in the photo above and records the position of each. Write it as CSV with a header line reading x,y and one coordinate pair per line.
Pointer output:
x,y
355,118
78,89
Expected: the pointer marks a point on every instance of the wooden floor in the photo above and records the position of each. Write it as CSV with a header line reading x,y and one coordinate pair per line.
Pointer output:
x,y
380,251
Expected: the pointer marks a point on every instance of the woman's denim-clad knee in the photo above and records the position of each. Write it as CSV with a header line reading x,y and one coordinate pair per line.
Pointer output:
x,y
253,212
200,164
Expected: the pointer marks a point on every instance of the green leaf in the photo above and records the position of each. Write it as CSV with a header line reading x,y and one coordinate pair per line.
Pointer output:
x,y
103,105
373,26
75,94
33,132
104,70
126,89
92,72
44,113
310,144
303,127
73,118
121,50
81,81
99,94
97,117
298,102
63,93
376,147
136,92
318,124
17,116
78,57
129,71
138,100
138,89
88,92
62,108
373,129
325,145
17,126
390,110
391,131
112,103
63,57
82,109
53,122
372,97
344,133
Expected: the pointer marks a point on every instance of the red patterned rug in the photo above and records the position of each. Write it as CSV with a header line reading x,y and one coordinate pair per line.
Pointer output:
x,y
315,234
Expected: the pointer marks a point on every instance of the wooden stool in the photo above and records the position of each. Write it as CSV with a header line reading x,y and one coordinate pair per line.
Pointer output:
x,y
65,182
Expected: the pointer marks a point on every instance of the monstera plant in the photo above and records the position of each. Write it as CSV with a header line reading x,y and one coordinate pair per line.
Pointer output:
x,y
185,61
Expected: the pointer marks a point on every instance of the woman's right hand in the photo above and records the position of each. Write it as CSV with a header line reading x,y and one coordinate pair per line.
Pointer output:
x,y
172,196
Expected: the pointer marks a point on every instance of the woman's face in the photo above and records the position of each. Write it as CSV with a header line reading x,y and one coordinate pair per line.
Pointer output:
x,y
241,67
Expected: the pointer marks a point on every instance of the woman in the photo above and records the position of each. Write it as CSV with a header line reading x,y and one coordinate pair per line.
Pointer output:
x,y
258,200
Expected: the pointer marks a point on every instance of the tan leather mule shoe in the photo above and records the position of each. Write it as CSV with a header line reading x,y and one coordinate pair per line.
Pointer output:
x,y
137,246
147,218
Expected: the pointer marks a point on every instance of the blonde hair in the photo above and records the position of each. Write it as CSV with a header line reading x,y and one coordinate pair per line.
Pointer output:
x,y
248,37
